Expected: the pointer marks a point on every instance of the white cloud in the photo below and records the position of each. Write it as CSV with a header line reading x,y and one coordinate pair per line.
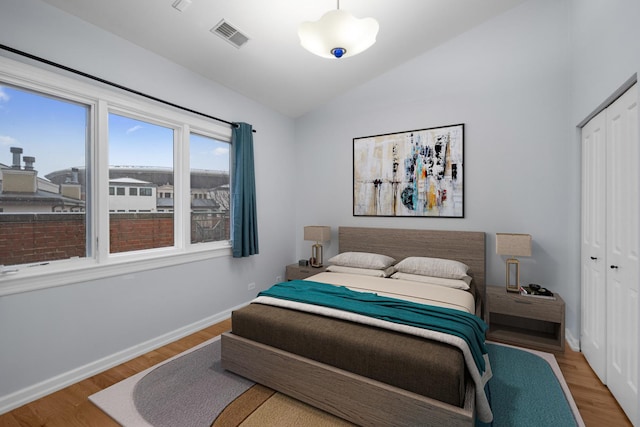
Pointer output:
x,y
220,151
4,97
134,129
7,140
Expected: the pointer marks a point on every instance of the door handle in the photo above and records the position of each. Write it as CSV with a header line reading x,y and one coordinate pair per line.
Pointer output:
x,y
594,258
614,267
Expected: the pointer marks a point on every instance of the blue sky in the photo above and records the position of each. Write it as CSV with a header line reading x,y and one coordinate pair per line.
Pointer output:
x,y
53,132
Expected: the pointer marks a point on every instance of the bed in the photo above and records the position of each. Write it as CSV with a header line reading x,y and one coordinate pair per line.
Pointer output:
x,y
361,372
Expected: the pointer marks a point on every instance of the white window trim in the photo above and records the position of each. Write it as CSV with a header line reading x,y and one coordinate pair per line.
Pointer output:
x,y
99,263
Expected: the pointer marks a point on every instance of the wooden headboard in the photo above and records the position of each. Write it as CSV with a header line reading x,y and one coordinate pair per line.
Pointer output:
x,y
464,246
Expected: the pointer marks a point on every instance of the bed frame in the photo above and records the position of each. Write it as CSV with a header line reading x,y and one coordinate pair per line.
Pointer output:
x,y
353,397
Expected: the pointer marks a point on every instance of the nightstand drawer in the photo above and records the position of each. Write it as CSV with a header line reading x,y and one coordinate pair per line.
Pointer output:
x,y
531,307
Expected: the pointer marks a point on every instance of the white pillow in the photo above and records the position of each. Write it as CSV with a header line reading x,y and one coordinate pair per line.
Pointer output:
x,y
362,260
440,281
435,267
362,271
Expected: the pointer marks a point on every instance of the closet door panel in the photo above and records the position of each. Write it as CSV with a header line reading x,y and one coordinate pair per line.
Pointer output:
x,y
622,250
593,248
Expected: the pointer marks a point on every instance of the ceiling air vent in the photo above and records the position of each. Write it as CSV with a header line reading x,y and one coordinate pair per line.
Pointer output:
x,y
229,33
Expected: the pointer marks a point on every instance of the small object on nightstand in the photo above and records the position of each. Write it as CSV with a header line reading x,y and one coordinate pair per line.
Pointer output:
x,y
303,263
533,290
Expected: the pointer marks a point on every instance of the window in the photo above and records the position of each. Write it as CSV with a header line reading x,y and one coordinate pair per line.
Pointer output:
x,y
140,153
209,160
43,143
102,157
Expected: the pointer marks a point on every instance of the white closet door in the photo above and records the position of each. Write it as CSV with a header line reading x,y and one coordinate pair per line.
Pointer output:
x,y
593,248
623,250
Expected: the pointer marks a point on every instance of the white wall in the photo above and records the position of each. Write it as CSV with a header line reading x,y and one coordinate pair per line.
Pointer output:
x,y
604,51
57,335
507,80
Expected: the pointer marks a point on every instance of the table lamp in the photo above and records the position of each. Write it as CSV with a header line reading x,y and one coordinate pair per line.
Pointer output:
x,y
317,233
513,245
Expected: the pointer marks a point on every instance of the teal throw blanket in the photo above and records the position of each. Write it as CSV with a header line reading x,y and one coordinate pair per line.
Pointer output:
x,y
455,322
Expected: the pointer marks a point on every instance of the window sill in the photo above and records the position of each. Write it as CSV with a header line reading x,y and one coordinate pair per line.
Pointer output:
x,y
62,273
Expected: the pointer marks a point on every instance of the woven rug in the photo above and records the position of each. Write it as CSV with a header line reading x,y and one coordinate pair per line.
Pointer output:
x,y
192,390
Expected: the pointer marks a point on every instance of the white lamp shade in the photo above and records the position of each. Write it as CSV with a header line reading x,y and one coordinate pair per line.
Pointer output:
x,y
338,29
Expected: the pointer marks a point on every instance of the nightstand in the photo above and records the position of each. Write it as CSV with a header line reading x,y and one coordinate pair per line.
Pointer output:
x,y
524,320
298,272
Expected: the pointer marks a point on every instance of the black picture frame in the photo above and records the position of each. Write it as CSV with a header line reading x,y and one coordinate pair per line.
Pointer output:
x,y
416,173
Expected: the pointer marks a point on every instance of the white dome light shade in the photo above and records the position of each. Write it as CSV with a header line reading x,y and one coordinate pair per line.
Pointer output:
x,y
337,30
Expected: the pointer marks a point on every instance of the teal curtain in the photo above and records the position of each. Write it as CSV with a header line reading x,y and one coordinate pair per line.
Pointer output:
x,y
244,210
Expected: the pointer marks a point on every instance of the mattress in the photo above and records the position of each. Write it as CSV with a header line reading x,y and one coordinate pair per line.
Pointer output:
x,y
429,368
422,366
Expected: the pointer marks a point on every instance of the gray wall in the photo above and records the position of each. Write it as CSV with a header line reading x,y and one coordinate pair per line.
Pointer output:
x,y
59,334
604,52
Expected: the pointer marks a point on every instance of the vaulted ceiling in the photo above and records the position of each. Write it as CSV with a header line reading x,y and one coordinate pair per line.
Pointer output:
x,y
272,68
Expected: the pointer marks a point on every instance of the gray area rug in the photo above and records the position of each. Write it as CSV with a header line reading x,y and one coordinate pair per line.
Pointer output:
x,y
191,390
160,396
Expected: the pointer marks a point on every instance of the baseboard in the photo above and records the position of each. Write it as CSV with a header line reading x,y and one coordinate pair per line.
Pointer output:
x,y
51,385
573,342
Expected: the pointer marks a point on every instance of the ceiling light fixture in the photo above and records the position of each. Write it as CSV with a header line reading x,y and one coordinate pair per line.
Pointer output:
x,y
338,34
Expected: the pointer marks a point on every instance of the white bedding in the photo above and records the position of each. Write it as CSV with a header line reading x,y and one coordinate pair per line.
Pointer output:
x,y
419,292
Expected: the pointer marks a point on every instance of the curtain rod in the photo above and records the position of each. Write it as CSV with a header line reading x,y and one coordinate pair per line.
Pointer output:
x,y
116,85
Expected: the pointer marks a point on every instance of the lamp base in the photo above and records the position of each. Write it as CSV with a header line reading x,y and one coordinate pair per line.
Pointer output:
x,y
513,275
316,256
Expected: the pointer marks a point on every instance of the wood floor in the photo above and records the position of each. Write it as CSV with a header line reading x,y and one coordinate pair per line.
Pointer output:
x,y
71,407
595,402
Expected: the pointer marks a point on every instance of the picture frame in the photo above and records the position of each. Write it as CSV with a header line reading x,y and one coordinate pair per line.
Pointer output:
x,y
417,173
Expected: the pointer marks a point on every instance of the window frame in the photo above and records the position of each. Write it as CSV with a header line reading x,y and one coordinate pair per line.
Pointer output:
x,y
101,100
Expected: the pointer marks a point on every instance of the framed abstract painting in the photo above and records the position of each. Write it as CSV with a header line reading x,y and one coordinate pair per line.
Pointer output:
x,y
416,173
